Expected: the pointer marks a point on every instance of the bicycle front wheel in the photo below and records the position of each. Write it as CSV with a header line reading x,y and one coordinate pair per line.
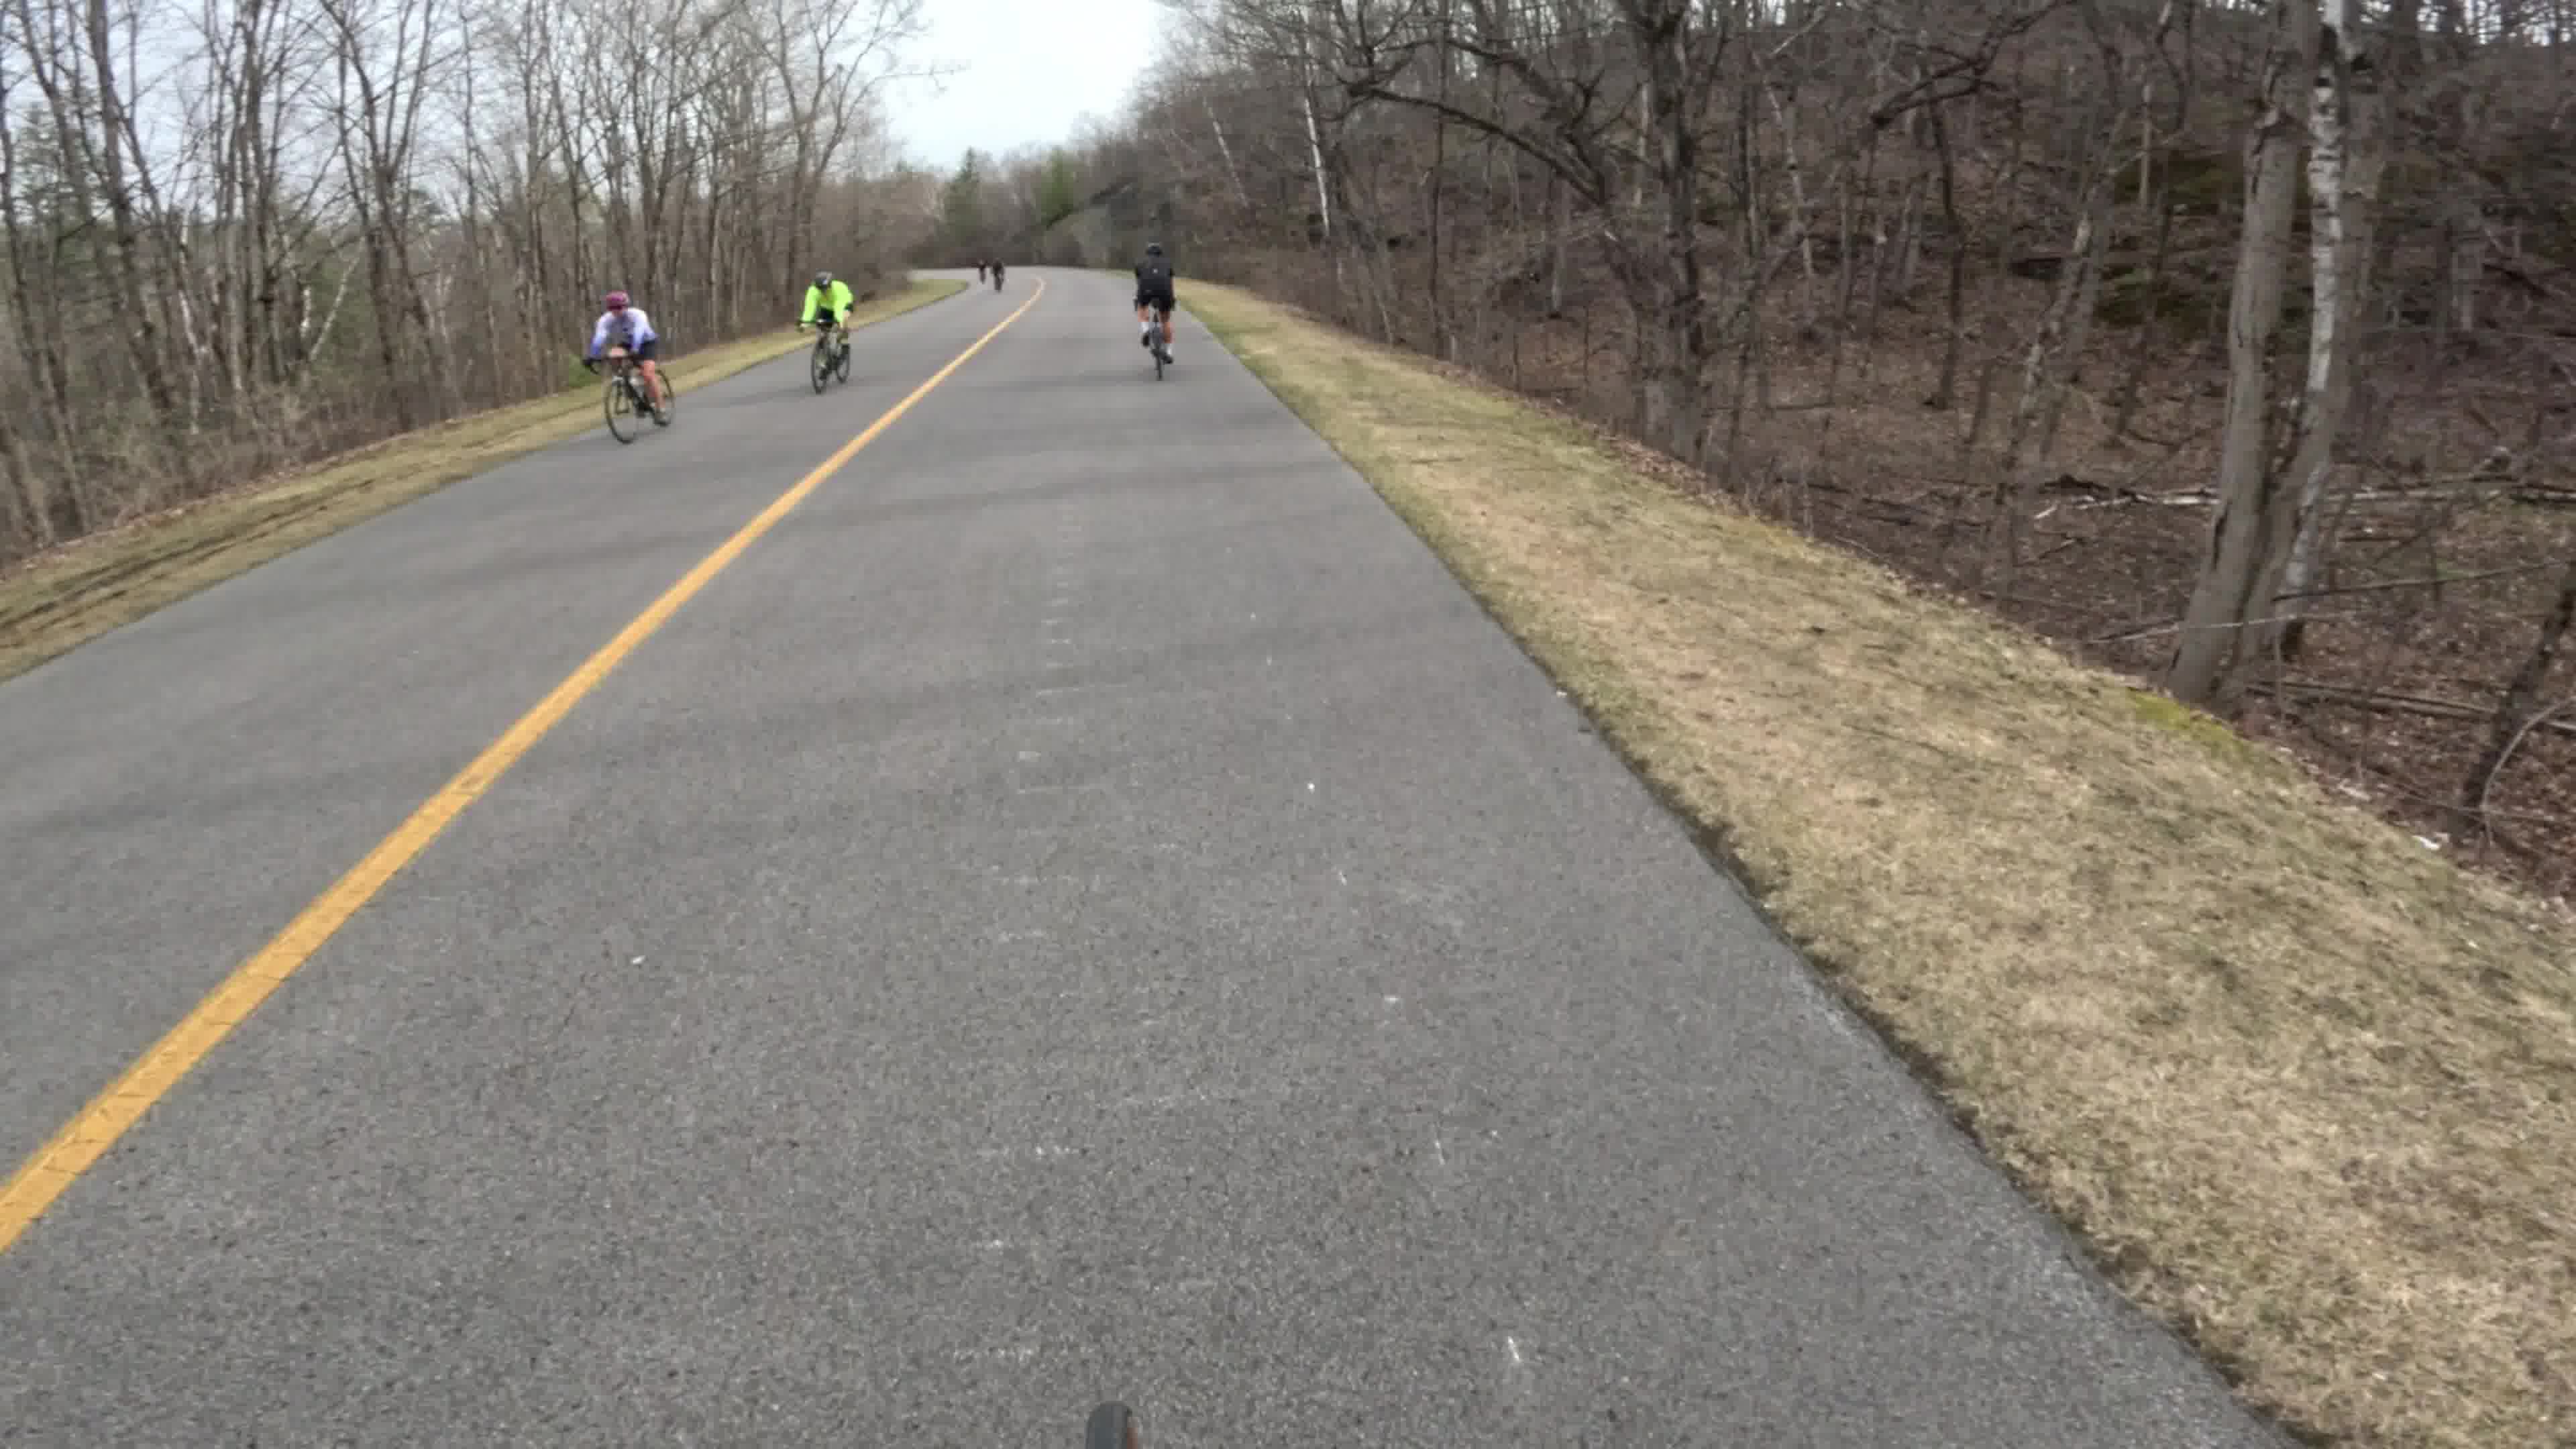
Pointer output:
x,y
621,411
1112,1426
819,366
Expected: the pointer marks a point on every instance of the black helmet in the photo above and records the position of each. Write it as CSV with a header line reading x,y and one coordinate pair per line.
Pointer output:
x,y
1153,249
822,279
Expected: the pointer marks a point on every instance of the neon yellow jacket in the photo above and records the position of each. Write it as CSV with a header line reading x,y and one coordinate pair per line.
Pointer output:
x,y
839,301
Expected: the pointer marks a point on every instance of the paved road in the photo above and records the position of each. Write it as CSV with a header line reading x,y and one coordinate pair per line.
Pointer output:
x,y
1086,905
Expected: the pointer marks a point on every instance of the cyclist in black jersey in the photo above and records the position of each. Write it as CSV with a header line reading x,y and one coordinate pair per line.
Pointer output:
x,y
1154,292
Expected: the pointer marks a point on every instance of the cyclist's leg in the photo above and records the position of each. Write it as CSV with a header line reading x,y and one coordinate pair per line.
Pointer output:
x,y
644,358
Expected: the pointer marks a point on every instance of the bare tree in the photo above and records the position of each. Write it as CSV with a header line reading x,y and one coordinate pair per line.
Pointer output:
x,y
320,221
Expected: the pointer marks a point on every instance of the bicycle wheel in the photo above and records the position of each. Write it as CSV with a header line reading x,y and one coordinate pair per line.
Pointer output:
x,y
818,366
621,411
1112,1426
841,369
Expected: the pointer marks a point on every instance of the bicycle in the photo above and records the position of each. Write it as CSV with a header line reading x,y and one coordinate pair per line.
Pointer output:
x,y
1162,356
831,357
1112,1426
629,398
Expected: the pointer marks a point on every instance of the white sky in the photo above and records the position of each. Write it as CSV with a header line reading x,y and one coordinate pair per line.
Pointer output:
x,y
1027,70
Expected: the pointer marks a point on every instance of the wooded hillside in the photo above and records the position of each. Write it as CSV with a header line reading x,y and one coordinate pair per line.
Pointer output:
x,y
2226,343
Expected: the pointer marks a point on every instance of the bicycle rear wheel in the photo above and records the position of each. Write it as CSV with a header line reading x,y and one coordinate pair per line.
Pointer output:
x,y
841,368
621,411
1112,1426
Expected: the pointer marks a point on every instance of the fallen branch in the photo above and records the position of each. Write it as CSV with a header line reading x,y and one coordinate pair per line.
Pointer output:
x,y
2391,703
2540,719
2108,497
2385,584
2174,626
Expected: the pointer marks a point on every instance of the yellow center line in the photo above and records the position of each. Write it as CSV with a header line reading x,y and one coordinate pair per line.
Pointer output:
x,y
86,1138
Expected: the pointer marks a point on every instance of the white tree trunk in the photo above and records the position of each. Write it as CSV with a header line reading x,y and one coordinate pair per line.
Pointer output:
x,y
2343,181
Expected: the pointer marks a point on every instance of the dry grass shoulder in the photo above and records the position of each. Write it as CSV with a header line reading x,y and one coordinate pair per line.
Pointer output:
x,y
2303,1084
57,600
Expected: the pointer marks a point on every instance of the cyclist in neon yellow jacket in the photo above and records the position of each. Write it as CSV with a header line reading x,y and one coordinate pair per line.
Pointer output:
x,y
827,303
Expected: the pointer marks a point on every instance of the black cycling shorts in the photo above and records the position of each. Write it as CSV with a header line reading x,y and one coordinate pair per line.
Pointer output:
x,y
1159,298
825,317
640,351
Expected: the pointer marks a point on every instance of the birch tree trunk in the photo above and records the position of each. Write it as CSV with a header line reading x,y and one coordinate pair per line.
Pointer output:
x,y
2349,126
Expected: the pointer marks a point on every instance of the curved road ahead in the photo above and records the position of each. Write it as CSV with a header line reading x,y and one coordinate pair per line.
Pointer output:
x,y
1084,905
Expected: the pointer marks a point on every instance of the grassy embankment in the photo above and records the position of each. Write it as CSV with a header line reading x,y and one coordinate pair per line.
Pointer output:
x,y
2304,1086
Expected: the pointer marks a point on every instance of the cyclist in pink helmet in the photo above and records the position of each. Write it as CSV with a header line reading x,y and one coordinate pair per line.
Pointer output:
x,y
626,325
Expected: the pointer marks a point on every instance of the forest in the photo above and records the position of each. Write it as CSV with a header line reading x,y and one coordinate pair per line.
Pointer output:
x,y
2227,344
244,235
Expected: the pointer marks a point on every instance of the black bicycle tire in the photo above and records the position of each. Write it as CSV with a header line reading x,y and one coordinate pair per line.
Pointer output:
x,y
1112,1426
817,371
841,369
617,391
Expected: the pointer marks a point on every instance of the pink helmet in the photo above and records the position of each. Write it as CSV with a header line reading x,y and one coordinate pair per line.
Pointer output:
x,y
615,301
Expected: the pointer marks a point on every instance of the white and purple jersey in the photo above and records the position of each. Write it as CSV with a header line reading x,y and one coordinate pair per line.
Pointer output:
x,y
629,328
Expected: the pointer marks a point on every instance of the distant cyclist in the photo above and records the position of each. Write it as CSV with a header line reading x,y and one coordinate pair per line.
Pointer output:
x,y
1154,290
997,274
628,327
983,272
827,304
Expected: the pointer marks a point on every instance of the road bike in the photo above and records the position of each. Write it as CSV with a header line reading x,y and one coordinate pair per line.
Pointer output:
x,y
1162,354
1112,1426
831,357
630,398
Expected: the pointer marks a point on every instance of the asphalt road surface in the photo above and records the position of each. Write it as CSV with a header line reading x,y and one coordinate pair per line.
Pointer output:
x,y
1084,906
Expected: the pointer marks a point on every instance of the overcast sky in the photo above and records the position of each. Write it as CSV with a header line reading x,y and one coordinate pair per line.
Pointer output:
x,y
1026,71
